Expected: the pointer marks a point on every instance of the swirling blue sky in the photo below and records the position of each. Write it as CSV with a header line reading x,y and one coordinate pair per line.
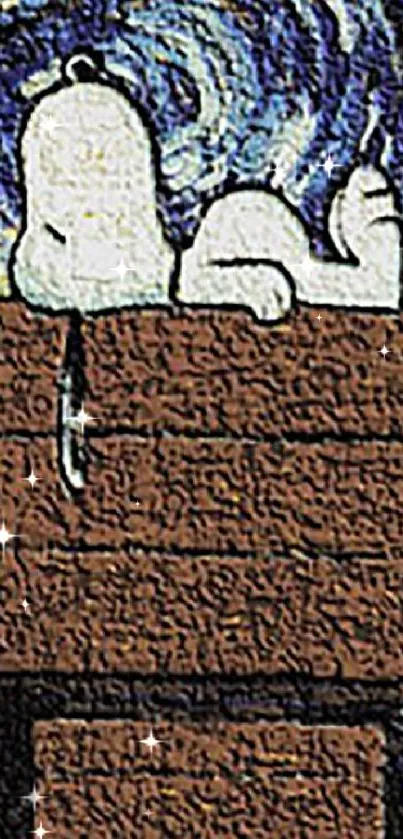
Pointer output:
x,y
228,87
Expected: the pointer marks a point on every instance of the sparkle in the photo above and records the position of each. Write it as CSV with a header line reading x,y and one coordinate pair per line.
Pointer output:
x,y
150,741
319,317
50,124
384,351
5,536
32,479
305,263
40,831
122,269
81,418
25,604
329,165
33,797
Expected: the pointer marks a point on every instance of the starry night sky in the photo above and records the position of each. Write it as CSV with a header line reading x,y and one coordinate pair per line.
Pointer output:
x,y
226,86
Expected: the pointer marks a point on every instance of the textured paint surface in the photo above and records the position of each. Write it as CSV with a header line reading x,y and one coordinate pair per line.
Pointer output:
x,y
230,573
234,93
92,237
232,780
252,250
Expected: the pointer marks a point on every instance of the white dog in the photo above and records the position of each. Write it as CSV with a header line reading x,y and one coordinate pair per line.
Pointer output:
x,y
251,249
93,240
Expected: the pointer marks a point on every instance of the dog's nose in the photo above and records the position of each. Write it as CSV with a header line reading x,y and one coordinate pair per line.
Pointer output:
x,y
92,239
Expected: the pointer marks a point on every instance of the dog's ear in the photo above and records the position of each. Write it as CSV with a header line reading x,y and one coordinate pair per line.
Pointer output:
x,y
93,239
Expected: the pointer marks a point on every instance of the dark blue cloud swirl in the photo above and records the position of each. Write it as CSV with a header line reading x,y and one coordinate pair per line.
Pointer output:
x,y
228,89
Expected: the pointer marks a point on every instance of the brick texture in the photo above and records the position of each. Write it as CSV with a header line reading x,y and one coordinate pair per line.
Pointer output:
x,y
222,373
31,348
241,519
110,611
224,779
210,373
210,495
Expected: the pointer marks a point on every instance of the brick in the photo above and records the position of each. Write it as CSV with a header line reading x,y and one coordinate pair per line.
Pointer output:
x,y
31,353
121,611
229,495
206,780
215,372
41,514
210,495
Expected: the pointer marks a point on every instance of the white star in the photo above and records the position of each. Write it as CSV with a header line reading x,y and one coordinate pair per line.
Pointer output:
x,y
305,263
50,124
384,351
33,797
122,269
150,741
319,317
5,536
82,418
32,479
25,604
329,165
40,831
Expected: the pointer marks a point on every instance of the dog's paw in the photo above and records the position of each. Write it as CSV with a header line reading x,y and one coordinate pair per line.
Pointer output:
x,y
276,297
244,244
